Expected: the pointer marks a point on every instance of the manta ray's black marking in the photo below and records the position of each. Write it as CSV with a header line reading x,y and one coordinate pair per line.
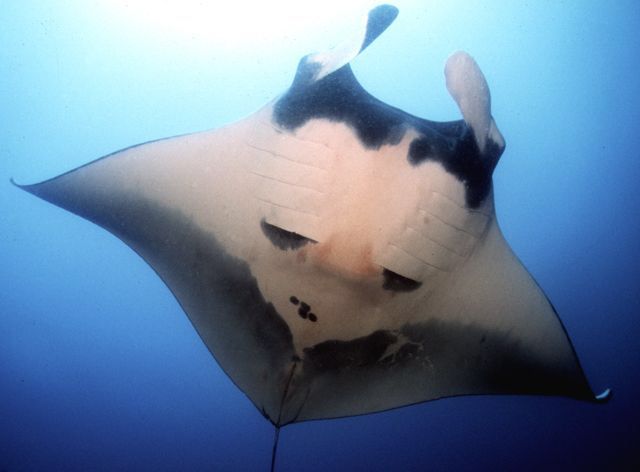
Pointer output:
x,y
465,162
339,97
420,348
304,309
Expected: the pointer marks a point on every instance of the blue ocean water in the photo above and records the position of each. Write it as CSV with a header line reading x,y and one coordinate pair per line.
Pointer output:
x,y
100,369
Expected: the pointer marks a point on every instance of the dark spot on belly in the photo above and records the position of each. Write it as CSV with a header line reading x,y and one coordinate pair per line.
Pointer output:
x,y
304,310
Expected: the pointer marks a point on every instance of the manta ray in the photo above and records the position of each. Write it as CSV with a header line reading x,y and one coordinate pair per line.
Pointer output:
x,y
336,255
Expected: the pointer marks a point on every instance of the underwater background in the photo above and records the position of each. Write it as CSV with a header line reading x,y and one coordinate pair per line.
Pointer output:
x,y
99,368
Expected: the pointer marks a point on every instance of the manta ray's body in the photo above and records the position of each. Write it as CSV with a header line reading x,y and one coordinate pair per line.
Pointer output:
x,y
336,255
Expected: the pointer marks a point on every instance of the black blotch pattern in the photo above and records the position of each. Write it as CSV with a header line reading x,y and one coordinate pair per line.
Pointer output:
x,y
445,350
340,355
304,310
398,283
283,239
464,161
339,97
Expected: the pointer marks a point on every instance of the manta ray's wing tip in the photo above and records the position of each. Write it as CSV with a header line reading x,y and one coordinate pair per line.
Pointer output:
x,y
604,396
13,182
25,187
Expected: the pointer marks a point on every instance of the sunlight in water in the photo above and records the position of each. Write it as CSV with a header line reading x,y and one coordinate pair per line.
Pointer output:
x,y
236,22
